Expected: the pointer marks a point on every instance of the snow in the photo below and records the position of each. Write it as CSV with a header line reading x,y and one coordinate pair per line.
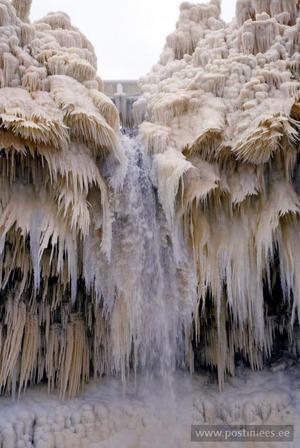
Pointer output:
x,y
150,413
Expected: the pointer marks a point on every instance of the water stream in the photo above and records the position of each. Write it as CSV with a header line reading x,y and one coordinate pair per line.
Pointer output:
x,y
149,296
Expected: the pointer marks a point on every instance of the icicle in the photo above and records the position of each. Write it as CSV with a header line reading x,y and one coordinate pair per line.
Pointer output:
x,y
113,250
22,8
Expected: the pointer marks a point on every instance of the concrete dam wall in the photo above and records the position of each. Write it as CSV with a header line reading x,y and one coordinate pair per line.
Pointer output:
x,y
124,93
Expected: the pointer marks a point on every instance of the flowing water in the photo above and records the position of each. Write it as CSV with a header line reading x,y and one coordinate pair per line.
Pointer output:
x,y
151,313
148,296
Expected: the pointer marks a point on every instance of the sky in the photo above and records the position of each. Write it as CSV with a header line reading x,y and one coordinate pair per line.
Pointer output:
x,y
128,35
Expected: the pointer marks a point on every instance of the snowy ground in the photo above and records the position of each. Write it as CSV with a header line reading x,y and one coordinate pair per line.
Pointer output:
x,y
151,415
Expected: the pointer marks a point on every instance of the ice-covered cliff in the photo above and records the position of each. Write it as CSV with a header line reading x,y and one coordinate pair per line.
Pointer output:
x,y
89,286
97,278
56,129
178,249
221,111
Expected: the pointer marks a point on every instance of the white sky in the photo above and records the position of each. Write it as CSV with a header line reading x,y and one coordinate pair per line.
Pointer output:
x,y
128,35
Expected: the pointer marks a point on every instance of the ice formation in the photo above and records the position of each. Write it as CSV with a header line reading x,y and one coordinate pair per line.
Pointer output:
x,y
176,249
88,282
56,129
222,125
102,418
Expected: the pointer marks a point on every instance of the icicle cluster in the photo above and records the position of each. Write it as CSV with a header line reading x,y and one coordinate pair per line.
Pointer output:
x,y
97,277
223,129
88,283
57,131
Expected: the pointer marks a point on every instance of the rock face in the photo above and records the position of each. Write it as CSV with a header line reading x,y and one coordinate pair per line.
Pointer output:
x,y
222,125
